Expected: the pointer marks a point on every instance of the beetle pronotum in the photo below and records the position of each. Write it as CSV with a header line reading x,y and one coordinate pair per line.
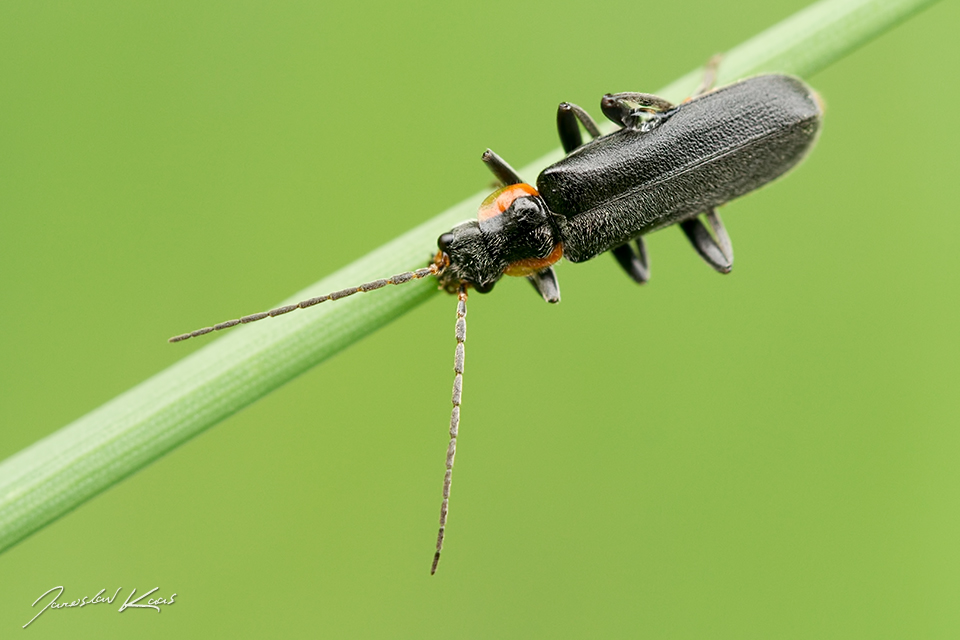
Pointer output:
x,y
666,165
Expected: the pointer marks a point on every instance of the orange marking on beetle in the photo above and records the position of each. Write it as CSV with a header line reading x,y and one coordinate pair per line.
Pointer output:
x,y
501,199
529,266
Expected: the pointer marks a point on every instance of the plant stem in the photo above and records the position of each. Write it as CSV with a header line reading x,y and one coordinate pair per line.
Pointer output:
x,y
60,472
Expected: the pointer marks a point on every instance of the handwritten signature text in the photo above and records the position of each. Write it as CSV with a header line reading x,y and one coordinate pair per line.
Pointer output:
x,y
129,603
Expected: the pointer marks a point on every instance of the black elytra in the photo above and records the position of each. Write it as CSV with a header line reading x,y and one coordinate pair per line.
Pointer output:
x,y
666,165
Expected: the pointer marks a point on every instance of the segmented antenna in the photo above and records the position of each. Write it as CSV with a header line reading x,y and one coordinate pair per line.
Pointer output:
x,y
433,270
454,418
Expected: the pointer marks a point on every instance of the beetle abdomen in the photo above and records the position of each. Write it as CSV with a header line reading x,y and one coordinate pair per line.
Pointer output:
x,y
711,150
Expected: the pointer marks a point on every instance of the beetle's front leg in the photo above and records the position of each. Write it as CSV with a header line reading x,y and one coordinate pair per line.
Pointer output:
x,y
499,167
545,282
627,109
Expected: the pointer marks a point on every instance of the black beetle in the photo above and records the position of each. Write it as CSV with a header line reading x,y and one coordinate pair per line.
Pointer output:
x,y
666,164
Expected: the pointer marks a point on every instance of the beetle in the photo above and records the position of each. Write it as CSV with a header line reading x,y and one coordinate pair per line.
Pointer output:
x,y
667,164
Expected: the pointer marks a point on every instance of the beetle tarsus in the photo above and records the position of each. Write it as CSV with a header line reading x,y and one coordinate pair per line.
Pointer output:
x,y
545,282
635,263
568,114
499,168
717,252
629,109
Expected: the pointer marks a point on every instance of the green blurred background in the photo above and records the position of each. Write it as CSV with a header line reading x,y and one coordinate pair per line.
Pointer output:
x,y
767,454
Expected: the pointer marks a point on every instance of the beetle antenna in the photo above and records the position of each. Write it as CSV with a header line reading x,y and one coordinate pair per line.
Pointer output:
x,y
435,269
454,418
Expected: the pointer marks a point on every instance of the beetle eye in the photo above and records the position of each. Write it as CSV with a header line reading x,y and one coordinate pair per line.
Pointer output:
x,y
444,242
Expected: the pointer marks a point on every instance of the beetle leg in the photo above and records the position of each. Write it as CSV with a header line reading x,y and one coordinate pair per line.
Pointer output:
x,y
709,76
545,281
634,263
567,116
499,167
718,253
720,232
627,109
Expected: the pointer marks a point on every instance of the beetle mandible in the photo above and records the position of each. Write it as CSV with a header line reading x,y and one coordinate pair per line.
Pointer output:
x,y
666,165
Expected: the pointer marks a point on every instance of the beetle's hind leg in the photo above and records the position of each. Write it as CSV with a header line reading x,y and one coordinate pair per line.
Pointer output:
x,y
568,114
630,110
635,263
499,168
718,253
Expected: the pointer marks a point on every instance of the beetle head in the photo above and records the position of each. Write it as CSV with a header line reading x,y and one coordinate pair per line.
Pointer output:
x,y
513,229
470,260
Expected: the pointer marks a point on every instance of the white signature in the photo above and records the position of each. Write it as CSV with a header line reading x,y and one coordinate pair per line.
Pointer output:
x,y
152,603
